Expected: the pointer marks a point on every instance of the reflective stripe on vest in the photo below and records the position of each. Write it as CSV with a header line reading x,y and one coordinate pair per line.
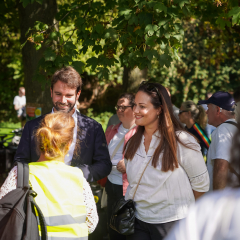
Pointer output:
x,y
60,197
63,220
66,238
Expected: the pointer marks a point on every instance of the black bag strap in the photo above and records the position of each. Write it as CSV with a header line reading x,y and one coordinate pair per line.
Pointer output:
x,y
23,181
23,175
232,170
42,222
233,123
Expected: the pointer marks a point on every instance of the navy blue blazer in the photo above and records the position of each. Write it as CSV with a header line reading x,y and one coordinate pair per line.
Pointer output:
x,y
92,157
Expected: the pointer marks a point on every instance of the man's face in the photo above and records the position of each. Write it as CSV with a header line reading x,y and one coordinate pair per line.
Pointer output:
x,y
63,97
21,92
212,114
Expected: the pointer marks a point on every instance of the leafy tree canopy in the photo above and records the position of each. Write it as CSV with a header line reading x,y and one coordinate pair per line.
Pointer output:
x,y
128,33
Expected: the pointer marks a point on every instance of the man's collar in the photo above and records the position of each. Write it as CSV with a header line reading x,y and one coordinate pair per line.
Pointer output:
x,y
73,115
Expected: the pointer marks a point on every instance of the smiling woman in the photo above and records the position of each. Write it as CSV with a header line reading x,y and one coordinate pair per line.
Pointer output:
x,y
169,160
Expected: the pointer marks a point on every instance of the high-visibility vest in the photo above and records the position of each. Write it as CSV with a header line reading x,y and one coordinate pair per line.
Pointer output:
x,y
59,191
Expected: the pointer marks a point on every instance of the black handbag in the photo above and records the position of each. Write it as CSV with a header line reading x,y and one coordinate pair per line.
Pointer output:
x,y
123,217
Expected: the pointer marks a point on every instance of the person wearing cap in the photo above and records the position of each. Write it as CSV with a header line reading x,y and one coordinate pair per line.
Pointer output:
x,y
236,96
221,115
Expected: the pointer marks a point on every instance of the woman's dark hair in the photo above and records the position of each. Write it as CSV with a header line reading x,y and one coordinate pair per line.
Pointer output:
x,y
235,161
128,96
168,125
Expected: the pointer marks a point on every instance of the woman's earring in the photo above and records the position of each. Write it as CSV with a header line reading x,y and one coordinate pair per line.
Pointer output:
x,y
158,116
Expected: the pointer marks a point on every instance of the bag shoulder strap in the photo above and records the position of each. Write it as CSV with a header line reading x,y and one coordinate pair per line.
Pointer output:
x,y
23,181
120,143
42,222
22,175
233,123
232,170
141,177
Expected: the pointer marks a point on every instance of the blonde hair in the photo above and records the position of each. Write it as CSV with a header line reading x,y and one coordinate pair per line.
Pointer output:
x,y
197,112
55,134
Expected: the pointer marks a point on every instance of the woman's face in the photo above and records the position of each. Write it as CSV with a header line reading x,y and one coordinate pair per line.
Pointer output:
x,y
144,111
125,116
184,116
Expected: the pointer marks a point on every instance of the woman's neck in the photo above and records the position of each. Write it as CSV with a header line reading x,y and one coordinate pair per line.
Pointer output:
x,y
42,158
150,130
128,125
190,123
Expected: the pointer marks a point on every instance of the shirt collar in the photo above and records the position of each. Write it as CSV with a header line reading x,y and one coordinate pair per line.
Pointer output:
x,y
74,114
231,120
157,134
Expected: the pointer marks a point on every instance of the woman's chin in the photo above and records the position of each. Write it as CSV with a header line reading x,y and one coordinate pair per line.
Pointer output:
x,y
138,122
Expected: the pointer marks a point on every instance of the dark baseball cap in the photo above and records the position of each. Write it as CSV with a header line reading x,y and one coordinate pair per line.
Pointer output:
x,y
221,99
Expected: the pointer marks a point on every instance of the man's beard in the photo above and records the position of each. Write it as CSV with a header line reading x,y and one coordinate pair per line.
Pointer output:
x,y
66,110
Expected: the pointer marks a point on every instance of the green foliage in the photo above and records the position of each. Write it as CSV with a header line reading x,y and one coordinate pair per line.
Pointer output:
x,y
11,72
113,31
207,64
102,118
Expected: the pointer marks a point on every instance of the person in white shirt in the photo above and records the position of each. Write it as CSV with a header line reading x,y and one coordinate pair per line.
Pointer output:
x,y
19,103
170,162
216,215
117,136
221,106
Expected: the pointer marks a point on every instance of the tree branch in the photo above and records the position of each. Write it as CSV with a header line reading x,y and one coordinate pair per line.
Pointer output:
x,y
61,19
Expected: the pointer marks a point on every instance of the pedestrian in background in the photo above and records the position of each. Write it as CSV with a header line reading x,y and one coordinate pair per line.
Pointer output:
x,y
117,136
195,118
221,114
209,128
216,215
19,103
236,96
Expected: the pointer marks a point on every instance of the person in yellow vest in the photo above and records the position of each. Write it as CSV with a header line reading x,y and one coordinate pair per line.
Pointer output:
x,y
63,194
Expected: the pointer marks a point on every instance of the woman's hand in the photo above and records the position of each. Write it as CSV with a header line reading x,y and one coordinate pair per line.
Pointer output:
x,y
121,166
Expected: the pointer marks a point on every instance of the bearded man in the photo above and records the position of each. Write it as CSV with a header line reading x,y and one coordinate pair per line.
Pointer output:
x,y
88,150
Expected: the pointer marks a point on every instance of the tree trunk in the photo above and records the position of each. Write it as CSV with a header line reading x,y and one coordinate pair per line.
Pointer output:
x,y
35,12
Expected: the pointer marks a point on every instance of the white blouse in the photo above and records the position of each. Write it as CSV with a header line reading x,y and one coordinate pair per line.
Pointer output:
x,y
92,216
166,196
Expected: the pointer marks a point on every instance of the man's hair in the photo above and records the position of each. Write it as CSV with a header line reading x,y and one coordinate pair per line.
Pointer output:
x,y
128,96
69,76
54,135
229,114
21,89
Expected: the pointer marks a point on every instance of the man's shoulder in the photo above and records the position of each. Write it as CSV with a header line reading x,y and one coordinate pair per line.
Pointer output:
x,y
87,120
225,128
35,122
